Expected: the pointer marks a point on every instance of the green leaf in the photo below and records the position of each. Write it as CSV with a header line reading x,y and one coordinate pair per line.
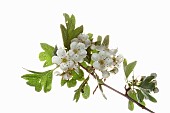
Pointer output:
x,y
71,83
84,64
77,31
63,82
124,64
133,95
106,41
140,95
77,96
39,80
147,79
99,40
32,71
130,105
47,54
86,91
64,35
149,86
129,68
90,36
71,24
81,87
148,96
78,76
66,16
151,98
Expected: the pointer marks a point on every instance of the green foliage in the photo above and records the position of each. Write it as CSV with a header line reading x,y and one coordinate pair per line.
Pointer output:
x,y
76,96
106,41
69,32
86,91
39,80
140,95
130,105
83,88
149,82
90,36
99,40
128,68
71,83
148,96
63,82
78,76
124,64
47,54
132,94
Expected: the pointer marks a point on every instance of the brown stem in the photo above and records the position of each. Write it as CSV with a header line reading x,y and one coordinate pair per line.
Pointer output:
x,y
140,105
87,70
125,95
95,89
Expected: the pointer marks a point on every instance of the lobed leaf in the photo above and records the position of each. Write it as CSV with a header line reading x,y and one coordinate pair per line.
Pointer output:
x,y
39,80
47,54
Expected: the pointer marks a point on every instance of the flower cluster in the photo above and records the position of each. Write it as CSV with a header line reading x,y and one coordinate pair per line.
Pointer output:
x,y
103,59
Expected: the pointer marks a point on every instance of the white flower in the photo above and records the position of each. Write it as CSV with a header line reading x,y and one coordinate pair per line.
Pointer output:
x,y
105,74
63,60
66,76
77,51
104,48
117,60
102,60
83,38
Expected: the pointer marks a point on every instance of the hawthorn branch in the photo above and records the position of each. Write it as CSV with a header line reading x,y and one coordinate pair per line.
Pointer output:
x,y
125,95
140,105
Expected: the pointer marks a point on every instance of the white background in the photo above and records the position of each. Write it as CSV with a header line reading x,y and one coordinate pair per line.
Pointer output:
x,y
139,28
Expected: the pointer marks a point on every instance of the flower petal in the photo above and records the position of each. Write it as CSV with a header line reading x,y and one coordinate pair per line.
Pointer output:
x,y
119,58
82,52
74,40
95,57
70,64
71,53
80,46
56,72
64,66
87,43
108,62
56,60
103,54
77,58
105,74
96,65
66,76
73,45
61,53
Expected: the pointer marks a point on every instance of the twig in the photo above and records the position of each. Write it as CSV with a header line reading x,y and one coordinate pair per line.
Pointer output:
x,y
140,105
95,89
125,95
87,70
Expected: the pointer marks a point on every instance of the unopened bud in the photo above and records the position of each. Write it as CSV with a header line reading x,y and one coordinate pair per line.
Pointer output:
x,y
156,90
114,70
154,74
155,82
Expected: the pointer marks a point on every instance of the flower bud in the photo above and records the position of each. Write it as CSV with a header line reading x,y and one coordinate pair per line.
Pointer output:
x,y
155,90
